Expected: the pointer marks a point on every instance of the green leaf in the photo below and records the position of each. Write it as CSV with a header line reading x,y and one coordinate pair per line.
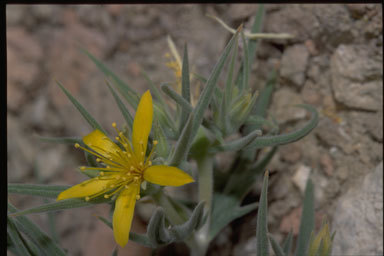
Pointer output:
x,y
238,144
16,238
45,243
274,140
129,94
185,90
307,223
206,94
177,98
163,147
262,102
221,216
262,223
50,191
182,146
276,247
244,85
62,140
183,231
124,111
246,176
287,244
62,205
252,44
162,106
91,121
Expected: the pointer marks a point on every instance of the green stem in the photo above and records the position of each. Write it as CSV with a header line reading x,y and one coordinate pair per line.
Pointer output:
x,y
205,168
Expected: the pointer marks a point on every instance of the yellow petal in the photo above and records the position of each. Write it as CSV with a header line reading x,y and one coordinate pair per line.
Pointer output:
x,y
100,143
86,188
123,214
167,176
142,125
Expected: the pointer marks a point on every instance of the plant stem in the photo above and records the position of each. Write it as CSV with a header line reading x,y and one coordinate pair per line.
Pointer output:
x,y
205,168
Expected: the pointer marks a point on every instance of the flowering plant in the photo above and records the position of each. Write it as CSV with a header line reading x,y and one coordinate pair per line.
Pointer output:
x,y
136,164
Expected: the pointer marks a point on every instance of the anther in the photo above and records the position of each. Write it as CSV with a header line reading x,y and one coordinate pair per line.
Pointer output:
x,y
129,155
137,197
82,168
132,168
108,167
117,138
149,163
98,160
101,173
124,178
141,163
136,179
155,142
114,125
125,186
77,145
87,198
106,196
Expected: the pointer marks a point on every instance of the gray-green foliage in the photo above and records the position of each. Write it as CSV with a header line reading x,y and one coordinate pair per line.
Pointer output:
x,y
185,132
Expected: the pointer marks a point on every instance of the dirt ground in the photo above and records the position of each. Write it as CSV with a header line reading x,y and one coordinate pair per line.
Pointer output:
x,y
334,63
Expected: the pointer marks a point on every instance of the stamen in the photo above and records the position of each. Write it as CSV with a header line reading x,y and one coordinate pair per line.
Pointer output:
x,y
155,142
137,197
114,125
82,168
87,198
101,173
77,145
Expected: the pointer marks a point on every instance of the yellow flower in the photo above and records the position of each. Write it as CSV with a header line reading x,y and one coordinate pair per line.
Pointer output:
x,y
125,169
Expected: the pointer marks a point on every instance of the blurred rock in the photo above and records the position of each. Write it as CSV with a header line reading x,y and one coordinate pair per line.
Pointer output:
x,y
23,54
293,20
21,151
294,64
246,249
327,164
357,77
242,11
283,108
358,218
301,176
310,94
291,222
290,153
374,124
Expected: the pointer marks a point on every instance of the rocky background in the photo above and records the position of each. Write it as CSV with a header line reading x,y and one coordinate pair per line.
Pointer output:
x,y
333,63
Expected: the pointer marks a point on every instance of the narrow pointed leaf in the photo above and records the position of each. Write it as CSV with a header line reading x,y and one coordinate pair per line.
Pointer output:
x,y
221,217
182,146
253,44
129,94
49,191
62,205
262,102
124,111
206,95
307,222
244,83
156,231
177,98
16,238
183,231
46,244
276,247
262,247
185,89
91,121
246,176
62,140
238,144
274,140
287,244
163,147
